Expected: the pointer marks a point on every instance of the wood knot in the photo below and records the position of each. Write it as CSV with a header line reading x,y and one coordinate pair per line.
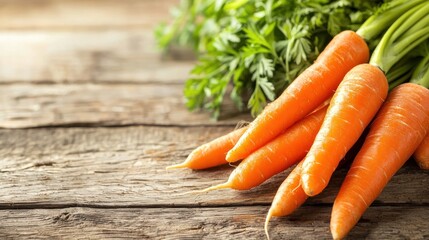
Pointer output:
x,y
62,217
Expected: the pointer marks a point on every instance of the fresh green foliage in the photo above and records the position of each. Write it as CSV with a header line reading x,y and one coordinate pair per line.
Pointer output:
x,y
399,34
421,73
253,49
384,17
404,35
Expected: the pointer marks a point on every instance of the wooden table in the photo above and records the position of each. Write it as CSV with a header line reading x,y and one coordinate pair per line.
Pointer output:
x,y
92,114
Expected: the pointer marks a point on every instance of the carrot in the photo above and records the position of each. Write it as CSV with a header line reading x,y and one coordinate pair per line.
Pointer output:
x,y
212,153
304,94
398,129
421,155
276,156
289,197
354,104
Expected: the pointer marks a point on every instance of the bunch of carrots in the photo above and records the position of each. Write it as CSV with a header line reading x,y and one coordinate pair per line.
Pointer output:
x,y
323,113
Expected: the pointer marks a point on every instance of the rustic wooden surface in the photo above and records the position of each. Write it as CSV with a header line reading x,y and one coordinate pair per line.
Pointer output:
x,y
103,115
125,166
309,222
36,105
85,41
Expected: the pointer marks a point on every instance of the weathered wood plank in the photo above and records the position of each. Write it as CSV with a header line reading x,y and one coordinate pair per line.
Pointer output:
x,y
123,55
27,105
206,223
41,14
126,166
86,41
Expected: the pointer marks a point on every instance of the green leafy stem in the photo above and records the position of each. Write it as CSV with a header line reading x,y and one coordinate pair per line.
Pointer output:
x,y
405,34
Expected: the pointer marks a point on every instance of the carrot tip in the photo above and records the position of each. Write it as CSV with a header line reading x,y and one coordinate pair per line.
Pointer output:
x,y
304,183
216,187
176,166
335,236
423,165
267,221
336,232
228,157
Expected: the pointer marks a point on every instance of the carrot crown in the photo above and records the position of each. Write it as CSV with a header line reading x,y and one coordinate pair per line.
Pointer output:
x,y
400,30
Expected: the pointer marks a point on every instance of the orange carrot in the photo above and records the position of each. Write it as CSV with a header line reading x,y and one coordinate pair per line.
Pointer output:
x,y
212,153
397,131
354,104
276,156
289,196
421,155
304,94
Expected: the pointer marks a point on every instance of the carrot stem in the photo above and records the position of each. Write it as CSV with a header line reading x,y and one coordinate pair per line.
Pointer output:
x,y
399,81
410,42
403,35
401,68
421,73
378,23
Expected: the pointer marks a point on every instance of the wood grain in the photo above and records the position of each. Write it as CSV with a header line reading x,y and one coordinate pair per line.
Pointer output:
x,y
27,105
71,68
52,41
48,14
206,223
82,56
120,167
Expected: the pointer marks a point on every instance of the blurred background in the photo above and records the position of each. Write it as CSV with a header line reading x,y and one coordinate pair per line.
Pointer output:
x,y
58,41
90,63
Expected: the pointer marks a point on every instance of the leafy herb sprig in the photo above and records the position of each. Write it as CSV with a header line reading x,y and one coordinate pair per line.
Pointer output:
x,y
260,46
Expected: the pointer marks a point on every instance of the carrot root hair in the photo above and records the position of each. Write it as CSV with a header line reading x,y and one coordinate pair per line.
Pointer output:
x,y
177,166
232,164
267,221
215,187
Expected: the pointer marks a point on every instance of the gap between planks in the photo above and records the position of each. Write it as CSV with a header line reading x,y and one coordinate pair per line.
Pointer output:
x,y
114,125
186,206
82,83
206,223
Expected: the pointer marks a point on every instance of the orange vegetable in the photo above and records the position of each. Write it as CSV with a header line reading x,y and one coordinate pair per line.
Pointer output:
x,y
212,153
397,131
289,197
276,156
354,104
305,93
421,155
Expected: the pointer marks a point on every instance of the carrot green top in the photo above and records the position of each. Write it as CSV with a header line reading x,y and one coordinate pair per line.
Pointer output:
x,y
406,33
421,73
404,45
375,25
400,30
